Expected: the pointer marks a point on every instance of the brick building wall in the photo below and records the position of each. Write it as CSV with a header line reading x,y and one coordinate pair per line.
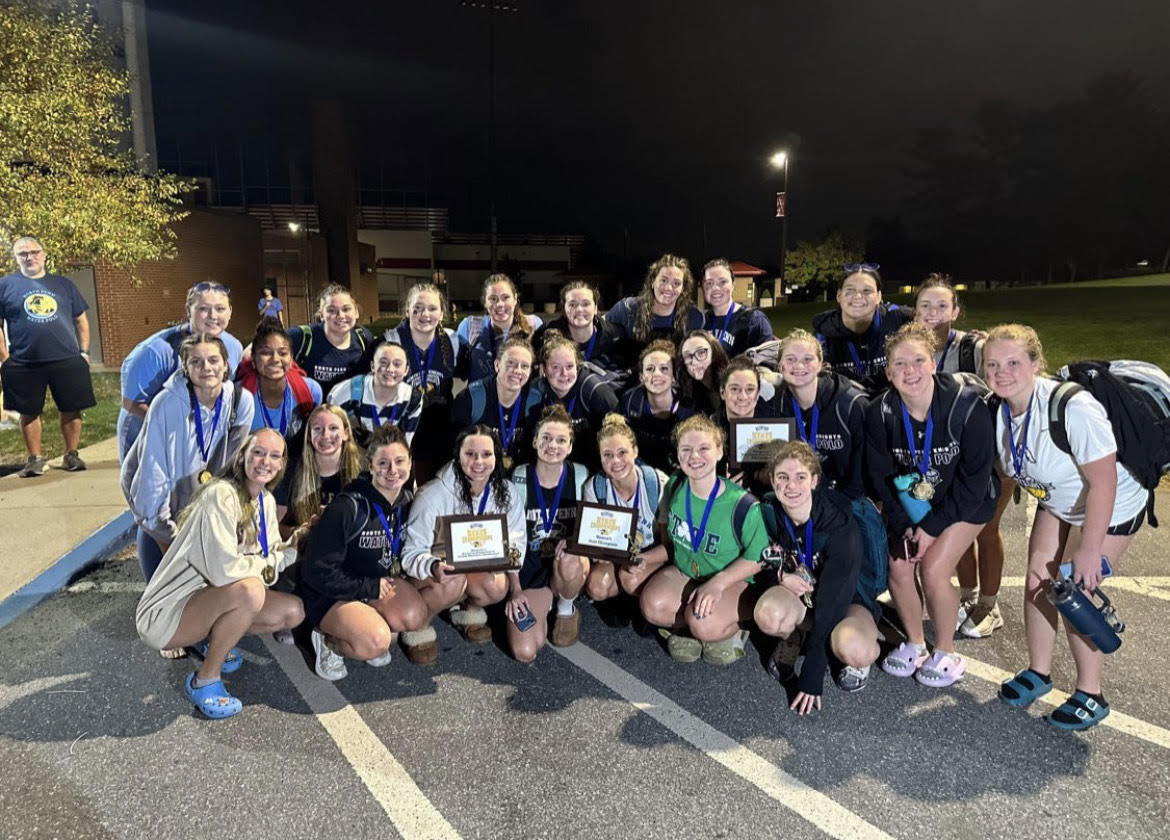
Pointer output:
x,y
221,246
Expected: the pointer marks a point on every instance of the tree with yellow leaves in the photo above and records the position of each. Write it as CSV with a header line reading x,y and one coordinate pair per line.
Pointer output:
x,y
65,174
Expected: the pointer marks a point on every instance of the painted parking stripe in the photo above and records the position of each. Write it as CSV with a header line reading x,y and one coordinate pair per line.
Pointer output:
x,y
1151,587
407,806
1120,721
807,803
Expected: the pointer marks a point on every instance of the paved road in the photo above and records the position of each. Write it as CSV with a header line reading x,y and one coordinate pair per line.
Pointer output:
x,y
605,739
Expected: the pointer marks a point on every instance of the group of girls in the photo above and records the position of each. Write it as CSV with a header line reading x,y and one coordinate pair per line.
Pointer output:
x,y
305,513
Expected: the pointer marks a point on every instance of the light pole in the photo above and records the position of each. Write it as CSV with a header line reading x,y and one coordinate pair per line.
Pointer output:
x,y
780,161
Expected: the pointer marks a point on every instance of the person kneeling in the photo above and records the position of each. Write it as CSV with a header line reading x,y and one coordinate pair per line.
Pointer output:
x,y
815,557
213,584
706,591
351,581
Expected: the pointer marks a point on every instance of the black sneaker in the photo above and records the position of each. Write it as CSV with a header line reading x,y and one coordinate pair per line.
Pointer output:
x,y
72,461
34,466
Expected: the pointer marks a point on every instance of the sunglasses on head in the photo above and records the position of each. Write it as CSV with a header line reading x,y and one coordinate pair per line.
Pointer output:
x,y
864,267
208,286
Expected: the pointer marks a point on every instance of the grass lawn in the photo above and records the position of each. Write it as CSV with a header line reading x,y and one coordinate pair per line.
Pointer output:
x,y
98,423
1127,318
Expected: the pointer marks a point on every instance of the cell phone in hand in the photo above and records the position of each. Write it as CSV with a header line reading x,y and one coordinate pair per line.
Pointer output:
x,y
904,549
1066,569
524,620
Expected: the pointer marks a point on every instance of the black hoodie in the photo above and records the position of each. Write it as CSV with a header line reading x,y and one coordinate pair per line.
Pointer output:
x,y
840,442
870,347
961,456
837,553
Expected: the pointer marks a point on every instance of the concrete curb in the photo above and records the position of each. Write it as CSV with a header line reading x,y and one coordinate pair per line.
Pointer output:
x,y
53,579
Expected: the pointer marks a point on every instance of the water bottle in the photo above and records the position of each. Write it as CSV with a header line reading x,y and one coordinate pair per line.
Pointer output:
x,y
1099,624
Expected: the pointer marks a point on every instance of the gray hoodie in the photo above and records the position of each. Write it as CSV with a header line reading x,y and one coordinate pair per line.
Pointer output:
x,y
161,471
439,497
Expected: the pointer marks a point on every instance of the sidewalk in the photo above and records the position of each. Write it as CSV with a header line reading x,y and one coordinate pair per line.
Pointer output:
x,y
54,525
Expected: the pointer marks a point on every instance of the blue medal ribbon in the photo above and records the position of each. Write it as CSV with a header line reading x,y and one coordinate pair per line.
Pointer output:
x,y
549,515
649,412
395,410
592,341
637,494
922,464
262,526
1018,454
508,430
809,436
723,327
483,499
393,538
946,349
697,537
268,417
803,550
205,448
424,370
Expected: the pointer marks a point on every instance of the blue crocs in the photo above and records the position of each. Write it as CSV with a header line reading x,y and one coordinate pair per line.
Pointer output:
x,y
231,662
212,700
1078,713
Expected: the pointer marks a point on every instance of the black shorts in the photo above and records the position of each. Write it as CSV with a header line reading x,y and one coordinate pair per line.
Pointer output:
x,y
25,383
1129,527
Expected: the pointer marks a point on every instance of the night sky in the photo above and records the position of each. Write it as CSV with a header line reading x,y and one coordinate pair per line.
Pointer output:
x,y
647,119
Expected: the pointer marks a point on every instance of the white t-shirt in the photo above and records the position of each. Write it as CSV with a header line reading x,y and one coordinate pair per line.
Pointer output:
x,y
1053,477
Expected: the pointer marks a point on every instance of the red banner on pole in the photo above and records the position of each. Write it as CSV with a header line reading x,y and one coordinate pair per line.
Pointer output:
x,y
781,201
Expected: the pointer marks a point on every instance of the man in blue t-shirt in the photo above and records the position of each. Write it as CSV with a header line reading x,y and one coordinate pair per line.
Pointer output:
x,y
47,347
270,306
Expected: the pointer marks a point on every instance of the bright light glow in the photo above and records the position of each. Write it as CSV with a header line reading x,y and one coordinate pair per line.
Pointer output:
x,y
1143,263
961,287
779,159
295,227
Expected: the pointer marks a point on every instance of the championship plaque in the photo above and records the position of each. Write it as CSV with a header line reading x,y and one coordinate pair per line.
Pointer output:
x,y
477,543
754,441
604,532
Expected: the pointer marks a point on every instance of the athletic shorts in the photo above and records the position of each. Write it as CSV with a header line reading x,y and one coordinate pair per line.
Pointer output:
x,y
1129,527
25,384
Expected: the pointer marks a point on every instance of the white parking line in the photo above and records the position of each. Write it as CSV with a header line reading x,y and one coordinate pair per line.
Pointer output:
x,y
1120,721
807,803
407,806
1151,587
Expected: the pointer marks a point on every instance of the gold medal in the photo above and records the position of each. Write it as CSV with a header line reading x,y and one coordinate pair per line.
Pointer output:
x,y
268,575
514,556
922,490
548,548
205,476
508,462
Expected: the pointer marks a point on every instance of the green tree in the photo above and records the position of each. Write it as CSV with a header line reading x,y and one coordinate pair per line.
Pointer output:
x,y
818,263
65,174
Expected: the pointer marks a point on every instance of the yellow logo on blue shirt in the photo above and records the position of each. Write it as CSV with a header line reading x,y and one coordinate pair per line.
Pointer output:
x,y
40,306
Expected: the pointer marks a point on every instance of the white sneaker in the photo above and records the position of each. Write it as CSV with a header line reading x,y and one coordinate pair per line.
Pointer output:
x,y
981,621
284,637
329,665
853,679
379,661
965,608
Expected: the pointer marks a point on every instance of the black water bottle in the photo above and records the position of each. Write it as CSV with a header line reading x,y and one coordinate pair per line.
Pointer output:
x,y
1099,624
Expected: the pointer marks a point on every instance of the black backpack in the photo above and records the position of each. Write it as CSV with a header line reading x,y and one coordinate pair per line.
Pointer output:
x,y
1136,397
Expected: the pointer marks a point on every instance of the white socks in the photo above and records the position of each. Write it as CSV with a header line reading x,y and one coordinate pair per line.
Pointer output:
x,y
564,606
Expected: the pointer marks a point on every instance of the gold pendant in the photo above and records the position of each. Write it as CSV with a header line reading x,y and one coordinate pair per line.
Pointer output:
x,y
268,575
922,490
205,476
508,462
548,548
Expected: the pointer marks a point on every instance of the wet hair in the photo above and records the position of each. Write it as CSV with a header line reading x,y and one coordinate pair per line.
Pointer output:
x,y
616,425
718,262
803,337
866,271
912,332
936,280
418,289
331,290
190,342
739,363
520,325
1022,333
798,450
498,480
698,423
644,315
659,345
236,475
555,340
305,495
554,413
385,435
194,293
576,286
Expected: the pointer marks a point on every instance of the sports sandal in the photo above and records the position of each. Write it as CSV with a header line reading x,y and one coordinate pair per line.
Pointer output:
x,y
1078,713
725,651
941,669
231,662
1024,689
212,700
904,660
